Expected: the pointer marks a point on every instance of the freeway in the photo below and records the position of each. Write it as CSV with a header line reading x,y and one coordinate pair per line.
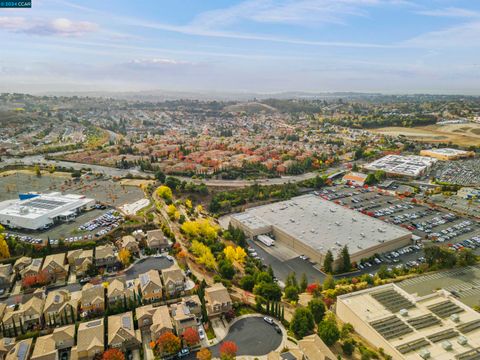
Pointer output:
x,y
115,172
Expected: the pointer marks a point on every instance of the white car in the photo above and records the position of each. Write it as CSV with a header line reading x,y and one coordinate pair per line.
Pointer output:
x,y
170,258
201,334
303,257
268,320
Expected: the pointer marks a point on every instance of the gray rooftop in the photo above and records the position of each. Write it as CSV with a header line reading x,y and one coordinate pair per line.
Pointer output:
x,y
324,225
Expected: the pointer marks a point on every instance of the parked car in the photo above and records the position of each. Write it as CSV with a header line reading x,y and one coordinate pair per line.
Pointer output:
x,y
268,320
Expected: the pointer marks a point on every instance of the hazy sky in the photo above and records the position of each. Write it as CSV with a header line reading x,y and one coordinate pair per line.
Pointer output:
x,y
253,45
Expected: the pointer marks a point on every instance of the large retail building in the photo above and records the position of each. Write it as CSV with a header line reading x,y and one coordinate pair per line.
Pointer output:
x,y
311,226
39,211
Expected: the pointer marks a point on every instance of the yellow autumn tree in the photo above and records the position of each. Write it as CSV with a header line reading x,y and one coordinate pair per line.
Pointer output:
x,y
188,204
204,255
199,209
172,212
125,257
230,253
235,254
165,192
201,228
240,254
4,251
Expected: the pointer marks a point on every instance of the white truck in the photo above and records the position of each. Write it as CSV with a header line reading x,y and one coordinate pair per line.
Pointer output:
x,y
267,240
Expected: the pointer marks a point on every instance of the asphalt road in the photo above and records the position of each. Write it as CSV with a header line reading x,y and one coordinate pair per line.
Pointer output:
x,y
110,171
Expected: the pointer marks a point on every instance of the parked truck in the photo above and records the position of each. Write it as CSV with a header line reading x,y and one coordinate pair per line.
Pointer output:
x,y
267,240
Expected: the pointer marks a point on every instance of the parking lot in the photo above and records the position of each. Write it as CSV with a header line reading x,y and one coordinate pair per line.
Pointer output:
x,y
461,172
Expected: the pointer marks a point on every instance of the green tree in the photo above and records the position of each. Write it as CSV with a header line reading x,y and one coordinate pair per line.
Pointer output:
x,y
348,346
247,282
269,291
291,280
302,323
328,330
291,293
466,257
328,283
303,283
226,269
328,262
317,307
345,263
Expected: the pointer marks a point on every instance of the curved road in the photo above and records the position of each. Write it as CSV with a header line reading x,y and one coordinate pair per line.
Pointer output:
x,y
110,171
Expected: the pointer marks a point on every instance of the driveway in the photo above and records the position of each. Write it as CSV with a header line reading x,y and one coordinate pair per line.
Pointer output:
x,y
253,336
145,264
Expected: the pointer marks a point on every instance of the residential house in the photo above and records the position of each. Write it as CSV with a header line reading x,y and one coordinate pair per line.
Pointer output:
x,y
174,281
90,340
314,348
105,256
139,235
291,354
217,300
194,305
21,264
60,308
128,242
54,266
182,317
80,261
20,351
92,298
6,276
46,347
156,240
120,290
154,319
121,332
27,316
32,269
6,344
151,286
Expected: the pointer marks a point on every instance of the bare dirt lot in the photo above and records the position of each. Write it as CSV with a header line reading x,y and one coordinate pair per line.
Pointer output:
x,y
460,134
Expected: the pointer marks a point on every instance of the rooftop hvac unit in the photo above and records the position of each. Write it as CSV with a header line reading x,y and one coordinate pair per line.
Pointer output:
x,y
424,354
354,220
362,234
455,317
462,340
447,345
404,312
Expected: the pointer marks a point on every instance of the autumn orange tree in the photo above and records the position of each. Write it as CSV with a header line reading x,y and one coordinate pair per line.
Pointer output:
x,y
204,354
228,350
113,354
168,343
190,335
125,257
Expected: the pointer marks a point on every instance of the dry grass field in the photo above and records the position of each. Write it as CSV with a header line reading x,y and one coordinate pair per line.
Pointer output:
x,y
460,134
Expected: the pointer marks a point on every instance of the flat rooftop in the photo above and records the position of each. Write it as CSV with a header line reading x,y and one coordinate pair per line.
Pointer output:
x,y
414,324
43,204
411,165
447,151
322,224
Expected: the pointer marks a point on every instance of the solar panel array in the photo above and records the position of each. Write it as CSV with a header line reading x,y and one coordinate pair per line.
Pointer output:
x,y
23,351
126,322
413,345
93,323
44,204
469,326
424,321
445,309
442,335
392,300
144,279
473,354
391,327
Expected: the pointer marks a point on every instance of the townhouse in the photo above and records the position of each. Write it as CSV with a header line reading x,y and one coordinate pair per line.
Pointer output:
x,y
60,307
32,269
182,316
48,346
151,286
174,281
121,332
20,351
80,261
90,340
27,316
157,241
92,298
106,256
54,265
120,290
154,319
217,300
21,264
6,276
130,243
